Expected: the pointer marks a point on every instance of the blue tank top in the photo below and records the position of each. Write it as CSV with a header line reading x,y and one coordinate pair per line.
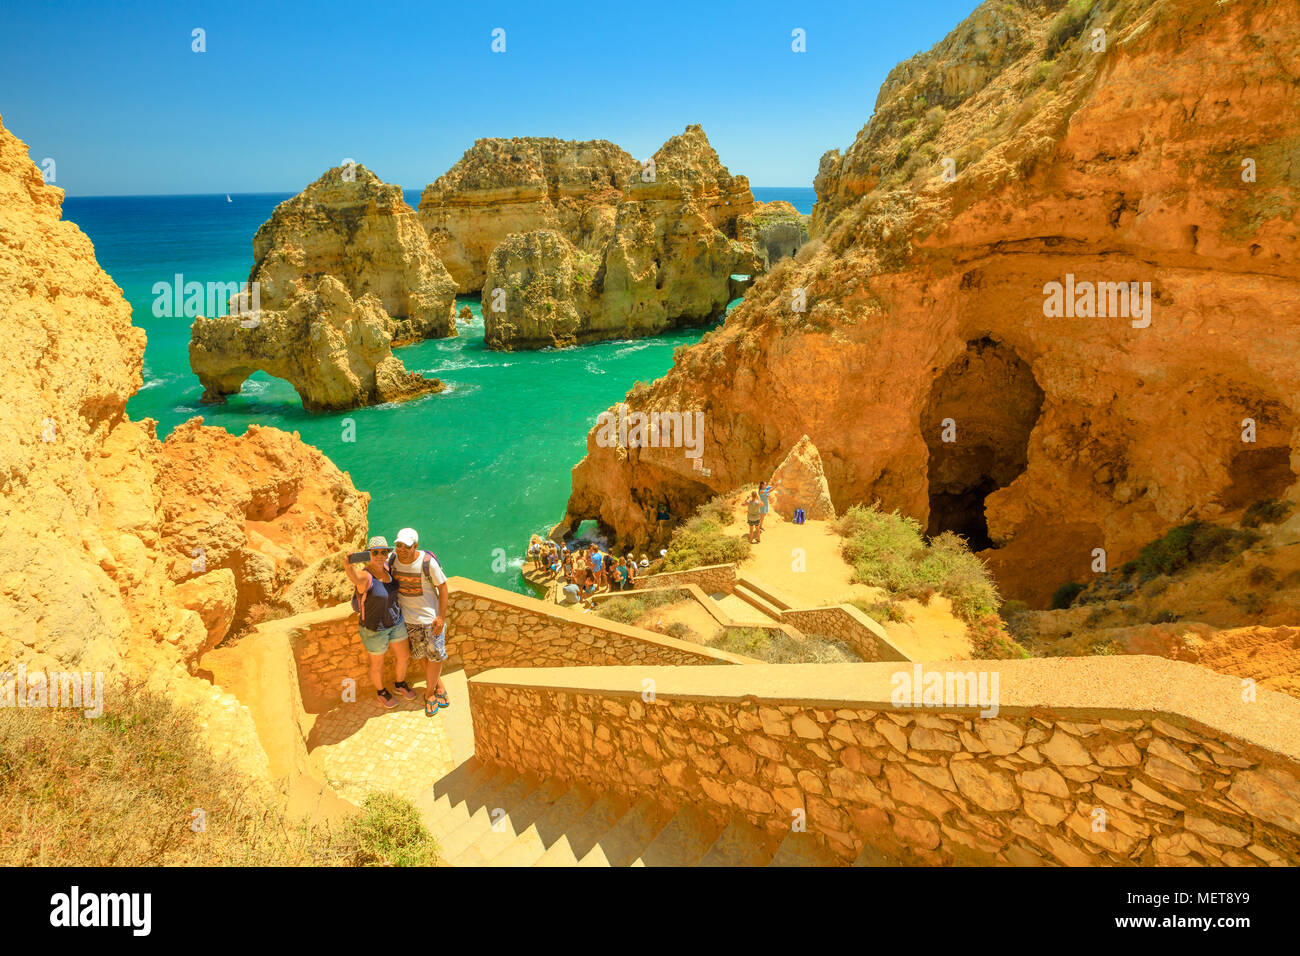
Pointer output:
x,y
381,609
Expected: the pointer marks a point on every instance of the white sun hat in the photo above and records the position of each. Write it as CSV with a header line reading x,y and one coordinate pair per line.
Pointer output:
x,y
407,536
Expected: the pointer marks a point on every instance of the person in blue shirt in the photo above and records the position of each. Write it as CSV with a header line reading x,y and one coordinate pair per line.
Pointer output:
x,y
764,491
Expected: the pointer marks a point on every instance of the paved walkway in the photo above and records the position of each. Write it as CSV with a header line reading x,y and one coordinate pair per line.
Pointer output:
x,y
367,749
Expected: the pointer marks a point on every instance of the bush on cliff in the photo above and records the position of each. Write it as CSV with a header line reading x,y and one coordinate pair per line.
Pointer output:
x,y
888,551
776,647
701,542
121,790
1193,543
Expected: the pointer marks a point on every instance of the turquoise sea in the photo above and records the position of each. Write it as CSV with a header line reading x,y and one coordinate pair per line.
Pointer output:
x,y
475,469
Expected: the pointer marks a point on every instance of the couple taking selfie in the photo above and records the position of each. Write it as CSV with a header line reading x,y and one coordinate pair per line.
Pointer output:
x,y
401,595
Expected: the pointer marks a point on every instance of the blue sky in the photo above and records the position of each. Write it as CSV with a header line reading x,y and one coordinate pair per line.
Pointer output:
x,y
115,95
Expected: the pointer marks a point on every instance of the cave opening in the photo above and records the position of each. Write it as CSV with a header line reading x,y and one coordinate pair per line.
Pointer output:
x,y
976,424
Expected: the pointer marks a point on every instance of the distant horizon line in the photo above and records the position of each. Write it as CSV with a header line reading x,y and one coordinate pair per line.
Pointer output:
x,y
276,192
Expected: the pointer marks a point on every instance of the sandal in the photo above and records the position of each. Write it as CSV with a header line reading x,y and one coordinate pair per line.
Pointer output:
x,y
431,706
403,688
441,698
386,698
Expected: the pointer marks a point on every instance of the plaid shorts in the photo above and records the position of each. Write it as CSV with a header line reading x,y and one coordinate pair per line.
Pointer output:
x,y
426,644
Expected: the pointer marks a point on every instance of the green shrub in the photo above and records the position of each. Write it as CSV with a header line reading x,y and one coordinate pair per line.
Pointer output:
x,y
1067,25
629,610
882,610
888,551
1192,543
1064,596
701,542
1265,511
775,647
390,832
991,642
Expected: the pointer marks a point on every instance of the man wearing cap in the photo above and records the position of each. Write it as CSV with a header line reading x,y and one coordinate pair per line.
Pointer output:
x,y
423,598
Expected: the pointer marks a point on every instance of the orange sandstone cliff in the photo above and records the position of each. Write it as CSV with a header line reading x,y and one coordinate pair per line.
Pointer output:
x,y
118,552
919,341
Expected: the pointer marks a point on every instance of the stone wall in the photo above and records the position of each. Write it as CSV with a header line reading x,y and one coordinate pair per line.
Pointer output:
x,y
712,579
846,623
490,627
1088,761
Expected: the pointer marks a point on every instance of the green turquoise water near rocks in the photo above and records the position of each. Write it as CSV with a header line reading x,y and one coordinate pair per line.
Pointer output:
x,y
474,469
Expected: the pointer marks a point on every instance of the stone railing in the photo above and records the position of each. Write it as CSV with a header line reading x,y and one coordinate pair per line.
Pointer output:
x,y
711,579
844,622
1088,761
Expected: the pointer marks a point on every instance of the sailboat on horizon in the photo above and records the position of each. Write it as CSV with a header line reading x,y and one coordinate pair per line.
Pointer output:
x,y
228,199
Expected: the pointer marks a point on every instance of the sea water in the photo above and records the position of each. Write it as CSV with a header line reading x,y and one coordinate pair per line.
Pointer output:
x,y
474,469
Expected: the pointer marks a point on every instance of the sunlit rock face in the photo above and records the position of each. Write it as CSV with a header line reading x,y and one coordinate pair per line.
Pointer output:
x,y
924,339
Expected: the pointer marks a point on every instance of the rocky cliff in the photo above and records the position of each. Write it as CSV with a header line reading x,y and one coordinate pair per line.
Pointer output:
x,y
578,242
118,552
923,339
505,186
344,272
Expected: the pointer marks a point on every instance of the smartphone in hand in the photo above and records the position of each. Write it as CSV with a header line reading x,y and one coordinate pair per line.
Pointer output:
x,y
359,557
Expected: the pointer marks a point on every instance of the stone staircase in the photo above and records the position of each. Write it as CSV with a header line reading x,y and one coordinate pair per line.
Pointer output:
x,y
486,815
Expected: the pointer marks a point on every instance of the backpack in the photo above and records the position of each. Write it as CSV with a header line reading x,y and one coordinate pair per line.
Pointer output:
x,y
392,558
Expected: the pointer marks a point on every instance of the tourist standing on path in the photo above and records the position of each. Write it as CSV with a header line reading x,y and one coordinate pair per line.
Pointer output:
x,y
380,621
754,512
764,491
424,602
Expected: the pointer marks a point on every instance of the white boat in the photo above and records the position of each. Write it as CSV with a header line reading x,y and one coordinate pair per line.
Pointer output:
x,y
228,199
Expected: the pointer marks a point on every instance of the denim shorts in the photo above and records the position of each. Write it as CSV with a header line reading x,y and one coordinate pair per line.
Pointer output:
x,y
377,642
425,645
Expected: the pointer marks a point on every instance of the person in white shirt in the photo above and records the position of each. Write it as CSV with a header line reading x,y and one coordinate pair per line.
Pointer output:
x,y
423,598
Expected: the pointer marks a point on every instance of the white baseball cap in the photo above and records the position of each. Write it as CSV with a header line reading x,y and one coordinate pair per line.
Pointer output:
x,y
407,536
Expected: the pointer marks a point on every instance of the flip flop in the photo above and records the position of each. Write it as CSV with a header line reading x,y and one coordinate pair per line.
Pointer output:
x,y
431,707
442,700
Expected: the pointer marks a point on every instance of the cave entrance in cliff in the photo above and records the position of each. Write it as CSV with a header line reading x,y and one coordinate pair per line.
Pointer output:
x,y
986,402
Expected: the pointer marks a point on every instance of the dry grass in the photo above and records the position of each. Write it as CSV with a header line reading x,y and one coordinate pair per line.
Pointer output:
x,y
122,790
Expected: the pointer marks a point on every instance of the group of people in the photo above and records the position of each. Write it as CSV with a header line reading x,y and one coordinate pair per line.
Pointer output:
x,y
585,570
401,596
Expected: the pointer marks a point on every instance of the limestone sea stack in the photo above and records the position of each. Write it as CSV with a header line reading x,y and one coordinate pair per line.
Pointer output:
x,y
505,186
121,553
573,242
344,273
1051,302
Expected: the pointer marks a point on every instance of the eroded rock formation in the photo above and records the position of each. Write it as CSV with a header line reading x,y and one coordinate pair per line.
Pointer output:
x,y
800,482
118,552
578,242
334,350
344,273
925,299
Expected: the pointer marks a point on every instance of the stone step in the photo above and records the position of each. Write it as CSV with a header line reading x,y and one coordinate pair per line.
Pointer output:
x,y
740,844
481,819
542,833
683,840
802,849
459,814
756,601
754,586
624,842
453,789
508,829
580,839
